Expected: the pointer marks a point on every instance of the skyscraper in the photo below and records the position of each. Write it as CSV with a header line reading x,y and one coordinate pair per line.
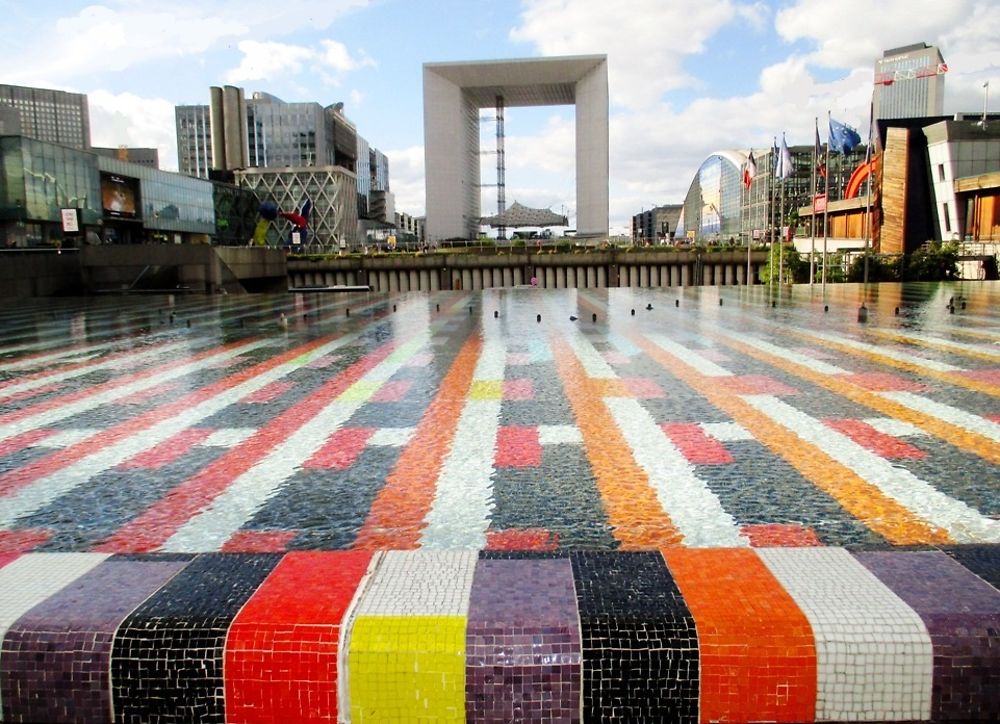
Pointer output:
x,y
194,140
909,82
49,115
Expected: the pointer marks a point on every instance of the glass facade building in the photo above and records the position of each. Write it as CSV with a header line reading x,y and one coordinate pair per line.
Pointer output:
x,y
909,82
116,201
194,140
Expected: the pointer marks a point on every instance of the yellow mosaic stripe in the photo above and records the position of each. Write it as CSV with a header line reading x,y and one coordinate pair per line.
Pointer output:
x,y
951,378
931,344
407,669
963,439
857,496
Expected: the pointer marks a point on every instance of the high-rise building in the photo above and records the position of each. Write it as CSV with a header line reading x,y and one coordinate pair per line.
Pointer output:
x,y
194,140
909,82
49,115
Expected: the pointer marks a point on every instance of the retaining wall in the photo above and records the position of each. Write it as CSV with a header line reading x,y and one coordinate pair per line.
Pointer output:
x,y
683,635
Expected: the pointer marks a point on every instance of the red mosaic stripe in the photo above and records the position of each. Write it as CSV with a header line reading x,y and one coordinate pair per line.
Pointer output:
x,y
143,396
518,389
392,391
22,540
757,653
281,652
168,451
259,541
25,475
269,392
36,392
755,385
25,439
643,388
6,558
149,531
885,382
341,450
518,447
991,376
879,443
522,539
695,445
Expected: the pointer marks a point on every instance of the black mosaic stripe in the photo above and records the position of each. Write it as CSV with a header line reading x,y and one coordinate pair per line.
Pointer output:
x,y
983,560
166,663
640,648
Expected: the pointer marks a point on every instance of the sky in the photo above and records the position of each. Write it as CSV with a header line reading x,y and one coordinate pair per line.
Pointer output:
x,y
686,78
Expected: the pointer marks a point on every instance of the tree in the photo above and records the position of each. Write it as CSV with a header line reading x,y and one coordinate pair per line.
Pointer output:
x,y
795,268
880,269
933,262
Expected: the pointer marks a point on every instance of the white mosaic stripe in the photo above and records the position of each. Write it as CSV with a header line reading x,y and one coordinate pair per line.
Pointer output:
x,y
810,363
689,357
623,345
420,583
895,428
989,350
593,363
963,523
693,508
213,526
66,438
70,356
947,413
463,499
883,351
726,431
391,436
44,490
117,392
559,435
228,437
873,653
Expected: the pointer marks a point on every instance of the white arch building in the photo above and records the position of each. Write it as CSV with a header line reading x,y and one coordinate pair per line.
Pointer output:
x,y
453,95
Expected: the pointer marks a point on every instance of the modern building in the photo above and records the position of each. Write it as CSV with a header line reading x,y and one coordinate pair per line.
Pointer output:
x,y
453,95
720,209
410,229
280,148
54,195
149,157
909,82
194,140
48,115
657,225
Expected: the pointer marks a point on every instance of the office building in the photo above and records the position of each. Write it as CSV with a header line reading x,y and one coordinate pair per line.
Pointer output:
x,y
47,115
194,140
149,157
657,225
909,82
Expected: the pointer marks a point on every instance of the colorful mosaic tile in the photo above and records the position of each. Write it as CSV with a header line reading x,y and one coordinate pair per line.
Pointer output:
x,y
167,657
640,647
964,629
873,654
523,654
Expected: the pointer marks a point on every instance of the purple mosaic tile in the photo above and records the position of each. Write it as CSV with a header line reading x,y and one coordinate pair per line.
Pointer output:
x,y
962,615
57,657
523,651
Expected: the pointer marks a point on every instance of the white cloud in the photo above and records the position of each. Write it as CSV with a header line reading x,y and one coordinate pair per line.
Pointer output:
x,y
268,61
337,57
646,40
119,34
127,119
406,179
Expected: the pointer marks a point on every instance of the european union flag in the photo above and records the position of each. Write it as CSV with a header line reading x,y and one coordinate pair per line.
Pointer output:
x,y
843,138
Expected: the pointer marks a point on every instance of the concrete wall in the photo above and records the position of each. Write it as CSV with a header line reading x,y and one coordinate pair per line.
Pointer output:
x,y
40,274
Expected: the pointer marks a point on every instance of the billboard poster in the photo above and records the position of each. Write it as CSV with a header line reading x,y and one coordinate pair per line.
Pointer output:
x,y
119,196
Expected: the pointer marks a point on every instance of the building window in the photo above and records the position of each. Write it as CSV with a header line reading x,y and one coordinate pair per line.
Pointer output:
x,y
947,218
941,172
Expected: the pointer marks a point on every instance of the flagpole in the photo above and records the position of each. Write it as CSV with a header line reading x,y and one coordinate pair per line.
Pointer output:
x,y
781,218
749,201
826,191
868,162
812,246
770,215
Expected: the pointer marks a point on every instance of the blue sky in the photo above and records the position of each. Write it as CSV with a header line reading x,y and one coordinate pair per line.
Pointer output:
x,y
686,78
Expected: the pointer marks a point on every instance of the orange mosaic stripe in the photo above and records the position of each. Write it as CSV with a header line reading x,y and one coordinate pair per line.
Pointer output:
x,y
951,378
638,520
397,514
856,495
966,440
757,652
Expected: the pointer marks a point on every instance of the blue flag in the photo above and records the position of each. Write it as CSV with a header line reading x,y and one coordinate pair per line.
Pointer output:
x,y
843,138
